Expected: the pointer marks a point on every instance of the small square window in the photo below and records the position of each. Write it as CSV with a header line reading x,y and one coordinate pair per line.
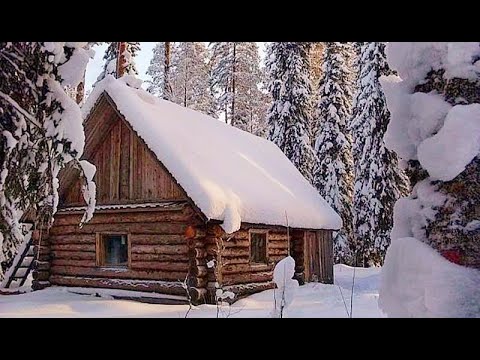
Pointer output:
x,y
112,251
258,247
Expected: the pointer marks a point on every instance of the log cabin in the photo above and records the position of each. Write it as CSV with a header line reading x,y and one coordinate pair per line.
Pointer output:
x,y
181,198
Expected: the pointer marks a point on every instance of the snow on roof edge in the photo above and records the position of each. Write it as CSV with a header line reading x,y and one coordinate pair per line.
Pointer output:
x,y
216,195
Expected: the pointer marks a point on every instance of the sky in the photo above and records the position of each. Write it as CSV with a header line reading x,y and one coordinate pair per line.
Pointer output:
x,y
142,60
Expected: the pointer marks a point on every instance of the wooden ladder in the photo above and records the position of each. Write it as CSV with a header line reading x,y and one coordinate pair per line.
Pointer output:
x,y
22,265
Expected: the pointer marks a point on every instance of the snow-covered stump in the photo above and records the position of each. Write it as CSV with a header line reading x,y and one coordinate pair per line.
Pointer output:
x,y
286,288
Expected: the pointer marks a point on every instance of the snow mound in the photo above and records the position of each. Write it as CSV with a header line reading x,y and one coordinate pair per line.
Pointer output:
x,y
286,286
416,281
231,175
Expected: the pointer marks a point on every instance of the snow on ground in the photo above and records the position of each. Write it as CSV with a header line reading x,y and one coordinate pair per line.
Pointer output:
x,y
311,300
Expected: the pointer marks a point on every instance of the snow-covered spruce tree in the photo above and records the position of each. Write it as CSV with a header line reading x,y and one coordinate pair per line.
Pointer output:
x,y
379,182
40,131
235,78
290,115
333,173
190,77
111,55
156,70
435,112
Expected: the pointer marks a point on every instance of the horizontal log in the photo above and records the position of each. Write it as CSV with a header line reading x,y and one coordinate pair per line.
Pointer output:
x,y
236,252
76,239
162,266
160,249
42,265
242,278
124,217
159,257
211,277
118,273
277,245
170,288
236,243
42,249
194,232
198,295
40,285
277,236
242,290
73,247
200,253
68,262
215,230
137,228
276,258
40,275
245,268
278,252
228,260
74,255
199,271
154,239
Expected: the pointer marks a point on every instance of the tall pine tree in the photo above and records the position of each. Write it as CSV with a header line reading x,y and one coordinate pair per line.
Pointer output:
x,y
190,77
156,71
40,132
289,117
379,182
236,76
111,55
333,173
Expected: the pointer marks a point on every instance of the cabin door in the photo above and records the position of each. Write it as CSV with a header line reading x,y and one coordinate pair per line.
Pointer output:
x,y
318,256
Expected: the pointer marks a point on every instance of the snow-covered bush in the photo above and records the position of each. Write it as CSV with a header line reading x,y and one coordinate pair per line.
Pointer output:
x,y
286,288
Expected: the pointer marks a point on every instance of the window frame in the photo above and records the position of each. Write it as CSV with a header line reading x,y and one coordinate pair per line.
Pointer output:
x,y
98,244
258,231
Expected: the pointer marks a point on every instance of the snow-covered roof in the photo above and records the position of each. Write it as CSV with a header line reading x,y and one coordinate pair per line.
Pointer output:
x,y
230,175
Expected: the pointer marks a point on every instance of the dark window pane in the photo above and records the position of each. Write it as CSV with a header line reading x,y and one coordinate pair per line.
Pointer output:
x,y
258,249
116,250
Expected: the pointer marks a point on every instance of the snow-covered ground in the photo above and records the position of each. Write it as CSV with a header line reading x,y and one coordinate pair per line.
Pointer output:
x,y
312,300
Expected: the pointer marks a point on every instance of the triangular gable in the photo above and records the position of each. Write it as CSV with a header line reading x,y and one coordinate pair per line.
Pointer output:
x,y
127,170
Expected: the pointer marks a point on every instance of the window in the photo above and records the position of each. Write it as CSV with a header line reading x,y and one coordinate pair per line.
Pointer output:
x,y
258,247
112,251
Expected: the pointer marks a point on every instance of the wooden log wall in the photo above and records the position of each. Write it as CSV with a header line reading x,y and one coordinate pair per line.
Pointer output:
x,y
325,237
233,270
158,249
127,171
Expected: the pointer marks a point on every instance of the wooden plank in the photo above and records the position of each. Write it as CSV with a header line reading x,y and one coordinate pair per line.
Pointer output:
x,y
73,247
69,262
74,255
73,239
124,166
138,228
154,239
162,266
142,257
171,288
115,141
242,278
245,268
160,249
119,273
125,217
